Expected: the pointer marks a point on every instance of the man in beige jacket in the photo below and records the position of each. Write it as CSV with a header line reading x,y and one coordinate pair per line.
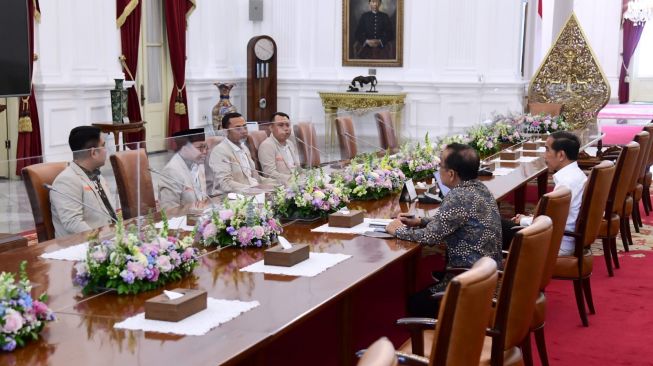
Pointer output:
x,y
230,163
182,181
278,154
81,181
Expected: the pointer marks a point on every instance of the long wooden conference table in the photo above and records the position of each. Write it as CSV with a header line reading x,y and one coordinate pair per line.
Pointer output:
x,y
271,333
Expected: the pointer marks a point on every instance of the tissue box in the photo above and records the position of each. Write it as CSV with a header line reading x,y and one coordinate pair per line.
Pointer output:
x,y
162,308
351,219
510,155
277,256
529,145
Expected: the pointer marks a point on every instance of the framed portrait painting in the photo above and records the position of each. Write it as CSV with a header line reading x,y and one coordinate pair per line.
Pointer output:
x,y
372,33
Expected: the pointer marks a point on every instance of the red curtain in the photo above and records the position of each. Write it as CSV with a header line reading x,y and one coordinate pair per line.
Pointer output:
x,y
128,15
28,150
631,36
177,12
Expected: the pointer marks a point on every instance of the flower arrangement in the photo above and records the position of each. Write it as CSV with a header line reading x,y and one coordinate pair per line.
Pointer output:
x,y
312,197
484,140
21,317
420,161
134,262
369,177
240,222
541,123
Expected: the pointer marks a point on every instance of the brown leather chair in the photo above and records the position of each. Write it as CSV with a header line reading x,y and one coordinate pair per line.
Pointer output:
x,y
126,171
387,138
34,176
306,139
380,353
553,109
346,134
462,320
555,205
648,178
212,141
254,139
631,203
638,193
578,267
612,223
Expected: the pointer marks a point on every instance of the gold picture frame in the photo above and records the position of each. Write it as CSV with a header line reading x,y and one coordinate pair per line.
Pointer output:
x,y
373,38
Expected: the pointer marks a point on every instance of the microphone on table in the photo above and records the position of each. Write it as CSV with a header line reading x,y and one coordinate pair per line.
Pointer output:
x,y
320,152
202,194
51,188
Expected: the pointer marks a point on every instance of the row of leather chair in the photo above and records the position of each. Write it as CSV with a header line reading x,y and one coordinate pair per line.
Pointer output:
x,y
347,139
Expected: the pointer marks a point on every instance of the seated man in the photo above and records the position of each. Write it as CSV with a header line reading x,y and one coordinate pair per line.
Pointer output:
x,y
277,154
182,180
231,165
81,182
561,154
467,221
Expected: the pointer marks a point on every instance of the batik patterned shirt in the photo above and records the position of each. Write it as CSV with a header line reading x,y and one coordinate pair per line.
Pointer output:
x,y
468,222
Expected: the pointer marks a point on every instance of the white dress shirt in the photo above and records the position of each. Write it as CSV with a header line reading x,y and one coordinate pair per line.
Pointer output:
x,y
573,178
244,161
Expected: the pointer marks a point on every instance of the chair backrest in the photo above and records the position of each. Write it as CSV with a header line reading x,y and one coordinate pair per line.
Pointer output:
x,y
520,285
380,353
126,169
622,175
649,128
307,144
555,205
387,137
642,138
34,176
592,208
553,109
464,314
213,141
254,139
346,134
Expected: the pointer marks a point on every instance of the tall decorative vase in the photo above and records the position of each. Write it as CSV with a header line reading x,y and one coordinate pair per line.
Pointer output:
x,y
118,102
224,105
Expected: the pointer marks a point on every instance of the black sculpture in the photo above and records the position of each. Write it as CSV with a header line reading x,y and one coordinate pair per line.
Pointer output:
x,y
362,81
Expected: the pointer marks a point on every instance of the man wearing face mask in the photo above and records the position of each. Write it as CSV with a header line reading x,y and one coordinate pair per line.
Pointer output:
x,y
182,180
468,221
82,180
230,163
278,154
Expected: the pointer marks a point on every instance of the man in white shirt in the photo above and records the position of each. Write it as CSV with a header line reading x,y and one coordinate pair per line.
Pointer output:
x,y
561,154
278,154
230,163
182,180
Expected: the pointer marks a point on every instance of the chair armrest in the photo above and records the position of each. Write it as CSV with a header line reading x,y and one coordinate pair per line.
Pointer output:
x,y
505,253
573,234
415,327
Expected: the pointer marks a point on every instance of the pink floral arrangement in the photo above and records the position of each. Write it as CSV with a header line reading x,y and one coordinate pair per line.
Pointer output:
x,y
241,223
21,317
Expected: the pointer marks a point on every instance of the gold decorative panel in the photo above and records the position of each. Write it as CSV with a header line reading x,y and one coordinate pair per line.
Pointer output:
x,y
571,75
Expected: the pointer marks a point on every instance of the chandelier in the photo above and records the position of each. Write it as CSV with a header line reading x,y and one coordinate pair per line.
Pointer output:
x,y
639,11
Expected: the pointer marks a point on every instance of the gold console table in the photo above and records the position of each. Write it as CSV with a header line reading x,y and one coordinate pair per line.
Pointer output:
x,y
334,101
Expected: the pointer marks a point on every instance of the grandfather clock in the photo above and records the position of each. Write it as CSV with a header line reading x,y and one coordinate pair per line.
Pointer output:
x,y
261,78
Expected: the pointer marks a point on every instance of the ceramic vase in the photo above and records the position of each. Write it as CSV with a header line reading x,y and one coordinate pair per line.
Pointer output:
x,y
223,106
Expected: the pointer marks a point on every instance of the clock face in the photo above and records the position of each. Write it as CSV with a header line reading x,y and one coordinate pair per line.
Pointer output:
x,y
264,49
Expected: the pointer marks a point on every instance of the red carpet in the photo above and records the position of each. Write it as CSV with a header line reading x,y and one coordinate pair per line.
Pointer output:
x,y
627,111
619,134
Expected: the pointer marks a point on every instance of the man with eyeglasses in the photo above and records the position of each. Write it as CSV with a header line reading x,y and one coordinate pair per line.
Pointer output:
x,y
231,166
278,154
82,181
183,181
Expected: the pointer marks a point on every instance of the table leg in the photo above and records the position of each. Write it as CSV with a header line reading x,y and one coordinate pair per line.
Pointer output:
x,y
346,342
410,273
520,199
542,183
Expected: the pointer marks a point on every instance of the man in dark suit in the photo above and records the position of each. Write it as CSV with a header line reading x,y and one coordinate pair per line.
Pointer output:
x,y
374,33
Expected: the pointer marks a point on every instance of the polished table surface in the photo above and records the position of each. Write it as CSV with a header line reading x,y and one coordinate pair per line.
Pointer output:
x,y
84,334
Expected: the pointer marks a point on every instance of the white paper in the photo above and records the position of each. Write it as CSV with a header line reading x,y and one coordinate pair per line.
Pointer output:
x,y
74,253
358,229
175,223
217,312
284,243
172,295
235,196
260,198
410,188
314,265
502,171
